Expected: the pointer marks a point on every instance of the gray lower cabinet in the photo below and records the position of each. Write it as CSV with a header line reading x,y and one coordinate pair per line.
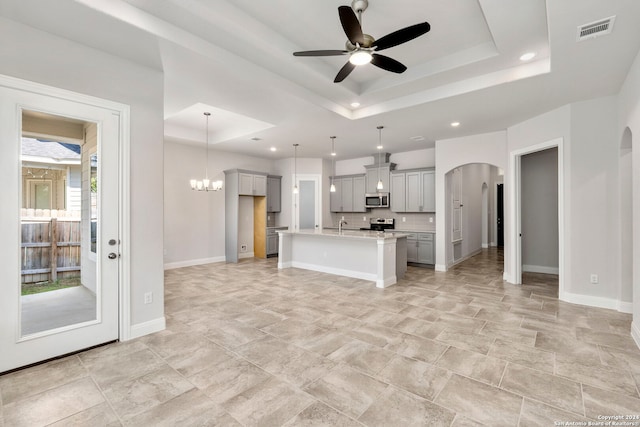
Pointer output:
x,y
273,240
420,248
272,244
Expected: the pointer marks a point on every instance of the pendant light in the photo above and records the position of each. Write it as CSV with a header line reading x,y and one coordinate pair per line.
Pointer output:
x,y
295,168
205,184
332,189
380,185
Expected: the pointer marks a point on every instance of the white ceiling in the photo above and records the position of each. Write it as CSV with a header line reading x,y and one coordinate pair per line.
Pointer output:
x,y
234,58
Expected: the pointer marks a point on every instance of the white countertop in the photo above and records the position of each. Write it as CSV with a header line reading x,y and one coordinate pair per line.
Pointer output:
x,y
357,234
395,230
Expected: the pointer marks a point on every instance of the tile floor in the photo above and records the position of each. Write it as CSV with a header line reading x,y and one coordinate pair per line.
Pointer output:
x,y
247,344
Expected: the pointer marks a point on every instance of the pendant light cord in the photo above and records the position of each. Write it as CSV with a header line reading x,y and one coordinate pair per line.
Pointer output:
x,y
380,185
206,168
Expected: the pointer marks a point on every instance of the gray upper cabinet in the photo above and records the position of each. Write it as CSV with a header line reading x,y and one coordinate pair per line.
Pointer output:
x,y
375,173
335,198
250,184
419,191
349,194
414,192
359,194
428,179
274,189
398,192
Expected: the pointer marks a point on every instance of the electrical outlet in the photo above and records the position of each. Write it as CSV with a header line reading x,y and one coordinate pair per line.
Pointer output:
x,y
342,217
430,219
243,248
594,279
364,218
404,219
148,297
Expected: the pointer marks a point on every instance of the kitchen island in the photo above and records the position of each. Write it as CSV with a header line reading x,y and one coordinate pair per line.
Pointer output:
x,y
380,257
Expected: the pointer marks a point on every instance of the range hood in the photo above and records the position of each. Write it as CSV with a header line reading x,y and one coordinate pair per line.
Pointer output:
x,y
380,159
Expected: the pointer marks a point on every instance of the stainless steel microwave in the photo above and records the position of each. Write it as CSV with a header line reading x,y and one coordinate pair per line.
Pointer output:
x,y
376,200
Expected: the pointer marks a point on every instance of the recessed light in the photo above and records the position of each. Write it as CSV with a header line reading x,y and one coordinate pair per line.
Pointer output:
x,y
417,138
455,124
355,104
528,56
272,148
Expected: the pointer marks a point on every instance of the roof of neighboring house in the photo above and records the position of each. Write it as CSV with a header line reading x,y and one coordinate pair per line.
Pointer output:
x,y
50,150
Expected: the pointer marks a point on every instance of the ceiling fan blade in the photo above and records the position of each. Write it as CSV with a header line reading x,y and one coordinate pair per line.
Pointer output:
x,y
321,53
387,63
344,72
401,36
351,25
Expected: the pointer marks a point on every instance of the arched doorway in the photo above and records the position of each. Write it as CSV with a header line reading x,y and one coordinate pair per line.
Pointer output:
x,y
469,216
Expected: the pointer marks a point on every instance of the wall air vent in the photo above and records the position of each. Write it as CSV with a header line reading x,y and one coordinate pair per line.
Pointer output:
x,y
596,29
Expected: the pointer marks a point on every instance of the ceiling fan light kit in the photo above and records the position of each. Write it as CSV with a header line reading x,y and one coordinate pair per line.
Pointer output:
x,y
361,47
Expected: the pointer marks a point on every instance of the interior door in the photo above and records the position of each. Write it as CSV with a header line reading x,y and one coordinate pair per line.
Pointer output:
x,y
30,331
500,214
307,203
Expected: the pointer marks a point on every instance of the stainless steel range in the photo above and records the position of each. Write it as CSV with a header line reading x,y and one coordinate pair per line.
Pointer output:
x,y
380,224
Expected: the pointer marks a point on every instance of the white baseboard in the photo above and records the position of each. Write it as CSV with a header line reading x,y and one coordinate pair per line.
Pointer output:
x,y
593,301
485,246
440,267
246,255
625,307
635,333
191,262
540,269
146,328
466,257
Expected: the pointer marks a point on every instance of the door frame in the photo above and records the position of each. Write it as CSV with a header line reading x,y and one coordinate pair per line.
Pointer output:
x,y
515,209
124,180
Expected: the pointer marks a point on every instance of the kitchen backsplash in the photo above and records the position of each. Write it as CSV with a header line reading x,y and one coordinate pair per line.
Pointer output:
x,y
412,221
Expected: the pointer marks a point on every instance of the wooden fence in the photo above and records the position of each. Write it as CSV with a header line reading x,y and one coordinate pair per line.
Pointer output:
x,y
50,248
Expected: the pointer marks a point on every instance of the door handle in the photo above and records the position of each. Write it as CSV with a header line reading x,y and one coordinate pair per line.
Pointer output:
x,y
112,255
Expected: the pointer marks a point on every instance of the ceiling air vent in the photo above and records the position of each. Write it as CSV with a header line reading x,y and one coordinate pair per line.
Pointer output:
x,y
596,29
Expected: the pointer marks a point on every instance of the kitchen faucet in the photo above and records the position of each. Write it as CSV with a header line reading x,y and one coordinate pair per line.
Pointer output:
x,y
340,224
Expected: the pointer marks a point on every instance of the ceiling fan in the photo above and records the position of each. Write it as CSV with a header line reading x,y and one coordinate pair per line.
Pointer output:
x,y
361,47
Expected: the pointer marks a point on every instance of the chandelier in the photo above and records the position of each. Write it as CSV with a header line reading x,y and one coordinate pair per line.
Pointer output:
x,y
206,184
